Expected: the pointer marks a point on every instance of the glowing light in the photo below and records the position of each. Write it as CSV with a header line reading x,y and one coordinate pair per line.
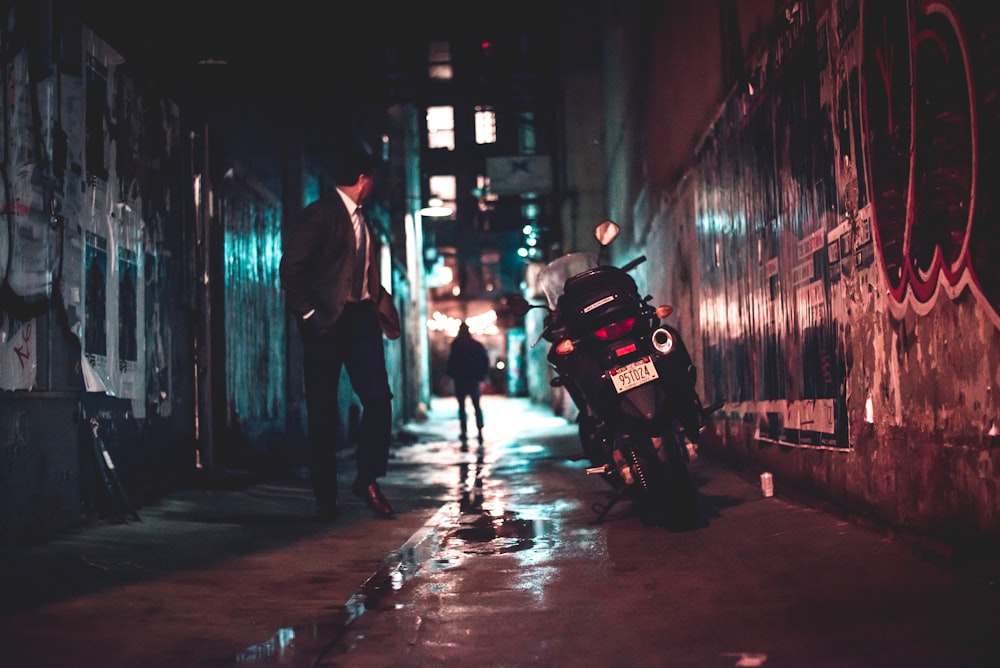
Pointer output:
x,y
436,208
565,347
484,323
440,275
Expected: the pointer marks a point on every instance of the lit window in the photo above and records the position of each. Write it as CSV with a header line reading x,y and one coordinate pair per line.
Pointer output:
x,y
441,127
444,188
486,125
439,60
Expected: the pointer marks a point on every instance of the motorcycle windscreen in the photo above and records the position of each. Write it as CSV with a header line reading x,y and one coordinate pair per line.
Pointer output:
x,y
552,278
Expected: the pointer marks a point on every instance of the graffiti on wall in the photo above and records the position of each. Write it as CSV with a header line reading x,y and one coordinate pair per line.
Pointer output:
x,y
931,73
18,347
866,142
26,239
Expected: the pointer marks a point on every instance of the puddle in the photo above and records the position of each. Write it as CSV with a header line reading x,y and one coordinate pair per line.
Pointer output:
x,y
505,533
469,526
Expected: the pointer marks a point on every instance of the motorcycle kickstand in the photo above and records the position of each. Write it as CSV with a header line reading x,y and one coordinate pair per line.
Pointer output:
x,y
602,510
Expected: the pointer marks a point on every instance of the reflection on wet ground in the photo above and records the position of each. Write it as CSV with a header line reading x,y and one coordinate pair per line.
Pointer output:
x,y
476,522
288,646
495,558
510,533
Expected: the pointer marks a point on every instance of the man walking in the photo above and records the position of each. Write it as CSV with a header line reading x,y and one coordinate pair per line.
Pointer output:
x,y
467,366
330,278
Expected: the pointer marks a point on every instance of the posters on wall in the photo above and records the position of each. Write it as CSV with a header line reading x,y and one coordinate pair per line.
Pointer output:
x,y
113,304
767,202
95,324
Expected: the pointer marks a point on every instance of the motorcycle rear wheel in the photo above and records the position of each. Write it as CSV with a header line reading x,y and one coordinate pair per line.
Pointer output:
x,y
667,492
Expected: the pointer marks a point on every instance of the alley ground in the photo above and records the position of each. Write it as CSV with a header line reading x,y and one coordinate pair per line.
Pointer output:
x,y
494,559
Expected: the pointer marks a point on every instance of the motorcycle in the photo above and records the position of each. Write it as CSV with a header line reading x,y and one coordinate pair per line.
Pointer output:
x,y
631,378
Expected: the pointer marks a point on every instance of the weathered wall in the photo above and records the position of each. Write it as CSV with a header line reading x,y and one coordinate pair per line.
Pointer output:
x,y
253,308
829,246
94,300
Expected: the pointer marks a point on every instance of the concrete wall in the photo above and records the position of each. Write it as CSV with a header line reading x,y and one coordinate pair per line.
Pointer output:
x,y
823,218
139,252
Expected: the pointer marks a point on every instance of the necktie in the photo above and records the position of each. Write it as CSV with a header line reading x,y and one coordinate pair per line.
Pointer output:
x,y
361,258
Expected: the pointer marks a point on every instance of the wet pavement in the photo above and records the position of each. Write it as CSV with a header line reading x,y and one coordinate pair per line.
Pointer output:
x,y
494,558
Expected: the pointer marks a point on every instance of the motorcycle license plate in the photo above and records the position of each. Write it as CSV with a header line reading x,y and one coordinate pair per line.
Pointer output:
x,y
632,375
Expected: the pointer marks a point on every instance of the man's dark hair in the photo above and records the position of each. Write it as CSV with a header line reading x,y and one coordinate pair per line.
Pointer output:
x,y
353,164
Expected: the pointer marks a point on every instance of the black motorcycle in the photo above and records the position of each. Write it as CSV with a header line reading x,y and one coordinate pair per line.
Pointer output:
x,y
631,379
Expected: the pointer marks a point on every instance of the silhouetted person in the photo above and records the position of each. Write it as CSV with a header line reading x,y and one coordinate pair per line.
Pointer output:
x,y
331,282
467,366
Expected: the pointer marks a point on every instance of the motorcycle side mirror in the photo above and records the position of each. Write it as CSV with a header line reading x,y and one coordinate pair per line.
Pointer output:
x,y
518,305
606,232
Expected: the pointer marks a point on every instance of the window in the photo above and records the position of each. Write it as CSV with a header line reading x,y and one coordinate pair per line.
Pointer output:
x,y
445,188
439,60
526,133
486,125
441,127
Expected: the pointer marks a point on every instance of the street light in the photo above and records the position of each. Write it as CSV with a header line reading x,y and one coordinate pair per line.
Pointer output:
x,y
436,209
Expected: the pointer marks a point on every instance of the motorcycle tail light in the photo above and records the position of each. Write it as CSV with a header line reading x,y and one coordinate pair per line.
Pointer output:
x,y
565,347
615,329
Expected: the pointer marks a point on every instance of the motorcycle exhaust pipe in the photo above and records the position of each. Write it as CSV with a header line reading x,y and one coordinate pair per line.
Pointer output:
x,y
662,340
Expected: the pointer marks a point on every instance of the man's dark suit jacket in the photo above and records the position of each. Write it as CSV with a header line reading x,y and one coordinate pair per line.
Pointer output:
x,y
317,267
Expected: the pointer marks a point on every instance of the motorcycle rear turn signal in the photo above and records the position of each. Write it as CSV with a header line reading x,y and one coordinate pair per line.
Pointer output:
x,y
663,310
565,347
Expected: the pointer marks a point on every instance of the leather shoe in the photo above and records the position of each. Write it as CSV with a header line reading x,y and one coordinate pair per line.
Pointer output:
x,y
372,496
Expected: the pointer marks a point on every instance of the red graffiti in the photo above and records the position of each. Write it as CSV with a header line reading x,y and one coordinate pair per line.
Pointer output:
x,y
924,120
22,352
20,208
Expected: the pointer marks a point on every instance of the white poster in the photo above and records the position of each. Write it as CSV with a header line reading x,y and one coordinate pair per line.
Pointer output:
x,y
18,358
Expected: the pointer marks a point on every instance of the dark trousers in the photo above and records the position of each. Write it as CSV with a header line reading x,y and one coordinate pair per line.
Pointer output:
x,y
355,343
470,390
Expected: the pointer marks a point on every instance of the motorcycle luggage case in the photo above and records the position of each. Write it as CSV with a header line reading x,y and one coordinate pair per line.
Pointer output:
x,y
584,293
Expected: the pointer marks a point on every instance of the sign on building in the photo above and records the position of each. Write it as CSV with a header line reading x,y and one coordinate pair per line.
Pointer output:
x,y
514,175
